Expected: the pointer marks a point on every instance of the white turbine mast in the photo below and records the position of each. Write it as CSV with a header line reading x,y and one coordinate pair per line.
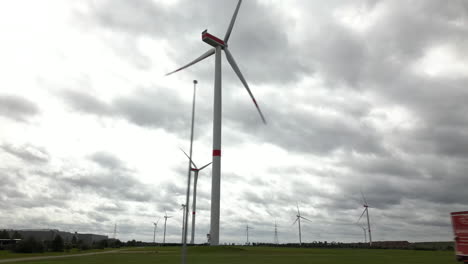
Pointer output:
x,y
366,211
165,221
298,220
219,46
154,231
182,207
196,170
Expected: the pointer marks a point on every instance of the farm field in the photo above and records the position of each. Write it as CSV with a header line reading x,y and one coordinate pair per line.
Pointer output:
x,y
247,255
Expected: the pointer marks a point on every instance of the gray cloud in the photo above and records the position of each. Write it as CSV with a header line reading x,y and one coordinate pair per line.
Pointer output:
x,y
28,153
17,108
107,160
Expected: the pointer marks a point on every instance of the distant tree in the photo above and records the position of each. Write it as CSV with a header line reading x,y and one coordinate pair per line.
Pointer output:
x,y
57,244
30,245
4,235
16,235
74,241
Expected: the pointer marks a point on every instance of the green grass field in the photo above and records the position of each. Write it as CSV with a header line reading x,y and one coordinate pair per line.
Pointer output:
x,y
247,255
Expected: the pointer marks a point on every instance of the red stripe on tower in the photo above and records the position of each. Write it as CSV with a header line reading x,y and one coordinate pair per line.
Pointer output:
x,y
216,152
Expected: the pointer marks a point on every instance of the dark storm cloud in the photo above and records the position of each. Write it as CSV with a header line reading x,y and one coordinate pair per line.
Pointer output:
x,y
17,108
28,153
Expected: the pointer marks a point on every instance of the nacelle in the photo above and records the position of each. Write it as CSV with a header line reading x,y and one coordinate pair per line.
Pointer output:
x,y
212,40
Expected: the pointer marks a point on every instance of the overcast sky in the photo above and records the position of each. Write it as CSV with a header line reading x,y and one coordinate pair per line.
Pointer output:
x,y
358,95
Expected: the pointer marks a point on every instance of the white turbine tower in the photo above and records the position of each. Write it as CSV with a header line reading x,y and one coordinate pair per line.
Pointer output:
x,y
182,207
196,170
298,220
366,211
165,221
154,231
218,46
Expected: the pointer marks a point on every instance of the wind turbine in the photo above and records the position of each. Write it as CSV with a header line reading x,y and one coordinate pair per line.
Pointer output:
x,y
298,220
154,232
366,211
196,170
365,233
247,231
165,221
218,46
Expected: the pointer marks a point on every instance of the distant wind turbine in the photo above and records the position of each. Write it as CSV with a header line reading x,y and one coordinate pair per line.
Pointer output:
x,y
298,220
366,211
165,221
218,46
196,170
154,232
365,233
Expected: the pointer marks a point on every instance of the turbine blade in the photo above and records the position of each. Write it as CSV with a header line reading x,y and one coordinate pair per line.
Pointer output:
x,y
234,66
205,166
193,163
233,20
202,57
306,219
295,221
361,215
298,213
363,198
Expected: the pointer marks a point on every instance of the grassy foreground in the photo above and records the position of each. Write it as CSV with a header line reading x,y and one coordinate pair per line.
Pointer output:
x,y
247,255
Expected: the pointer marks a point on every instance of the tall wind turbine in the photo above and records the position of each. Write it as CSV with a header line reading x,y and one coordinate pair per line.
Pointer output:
x,y
298,220
366,211
196,170
165,221
154,232
218,46
247,231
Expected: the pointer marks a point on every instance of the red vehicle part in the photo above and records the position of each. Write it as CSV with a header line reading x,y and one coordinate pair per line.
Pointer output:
x,y
460,230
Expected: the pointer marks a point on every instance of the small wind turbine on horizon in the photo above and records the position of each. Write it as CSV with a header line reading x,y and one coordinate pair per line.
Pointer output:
x,y
154,232
366,211
298,220
165,221
196,170
219,46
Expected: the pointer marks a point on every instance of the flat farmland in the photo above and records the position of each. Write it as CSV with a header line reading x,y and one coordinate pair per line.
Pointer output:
x,y
251,255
